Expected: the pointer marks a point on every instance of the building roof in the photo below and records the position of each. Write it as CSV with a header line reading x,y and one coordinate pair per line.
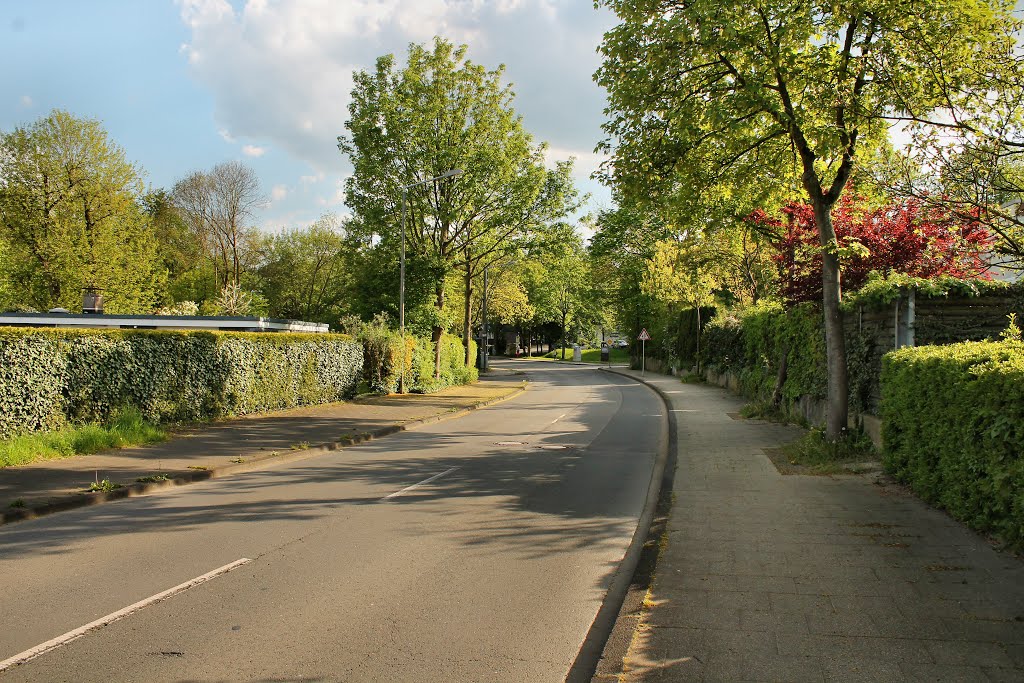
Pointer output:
x,y
159,322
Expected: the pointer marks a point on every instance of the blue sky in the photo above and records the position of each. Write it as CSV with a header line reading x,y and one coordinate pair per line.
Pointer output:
x,y
184,84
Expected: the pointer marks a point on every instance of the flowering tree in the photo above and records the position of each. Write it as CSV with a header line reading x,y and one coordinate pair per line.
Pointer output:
x,y
901,237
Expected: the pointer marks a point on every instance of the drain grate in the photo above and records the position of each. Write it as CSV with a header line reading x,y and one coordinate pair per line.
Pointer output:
x,y
553,447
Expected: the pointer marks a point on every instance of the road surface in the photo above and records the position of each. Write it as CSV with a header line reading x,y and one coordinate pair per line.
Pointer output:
x,y
474,549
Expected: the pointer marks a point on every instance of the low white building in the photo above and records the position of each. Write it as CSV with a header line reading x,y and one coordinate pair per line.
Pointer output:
x,y
158,322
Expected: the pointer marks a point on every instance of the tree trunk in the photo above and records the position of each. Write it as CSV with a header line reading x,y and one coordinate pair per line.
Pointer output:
x,y
437,331
780,377
835,341
467,310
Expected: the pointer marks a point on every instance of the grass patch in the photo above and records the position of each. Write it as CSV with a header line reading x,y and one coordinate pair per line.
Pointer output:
x,y
128,428
615,355
814,454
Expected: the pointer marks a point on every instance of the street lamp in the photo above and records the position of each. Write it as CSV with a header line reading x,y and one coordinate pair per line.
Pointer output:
x,y
401,270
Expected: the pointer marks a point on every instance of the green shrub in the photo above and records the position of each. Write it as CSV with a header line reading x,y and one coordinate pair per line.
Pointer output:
x,y
953,429
50,378
750,344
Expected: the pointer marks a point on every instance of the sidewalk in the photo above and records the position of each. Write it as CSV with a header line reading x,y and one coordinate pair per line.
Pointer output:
x,y
767,577
233,446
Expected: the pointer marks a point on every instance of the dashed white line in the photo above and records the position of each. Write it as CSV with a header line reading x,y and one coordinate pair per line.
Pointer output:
x,y
53,644
559,418
418,484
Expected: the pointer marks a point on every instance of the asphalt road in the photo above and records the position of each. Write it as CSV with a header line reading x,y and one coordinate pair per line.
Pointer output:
x,y
491,571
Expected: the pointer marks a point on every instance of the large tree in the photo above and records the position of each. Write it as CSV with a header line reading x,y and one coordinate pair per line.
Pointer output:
x,y
217,205
438,113
706,97
306,273
71,218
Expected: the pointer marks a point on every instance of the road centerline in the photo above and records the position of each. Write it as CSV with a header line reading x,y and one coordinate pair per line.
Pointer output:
x,y
418,484
66,638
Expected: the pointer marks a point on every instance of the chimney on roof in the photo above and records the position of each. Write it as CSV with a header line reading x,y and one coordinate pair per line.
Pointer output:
x,y
92,300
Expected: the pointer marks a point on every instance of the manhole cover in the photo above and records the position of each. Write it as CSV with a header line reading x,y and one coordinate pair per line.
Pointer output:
x,y
510,443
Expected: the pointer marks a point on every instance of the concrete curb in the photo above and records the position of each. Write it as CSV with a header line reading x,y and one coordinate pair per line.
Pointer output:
x,y
605,623
80,500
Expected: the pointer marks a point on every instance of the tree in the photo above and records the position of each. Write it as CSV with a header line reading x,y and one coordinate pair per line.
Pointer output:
x,y
706,97
216,206
971,164
181,255
901,237
438,113
70,214
306,273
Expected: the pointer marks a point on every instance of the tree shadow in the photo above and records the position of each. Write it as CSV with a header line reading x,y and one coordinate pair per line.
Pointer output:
x,y
568,488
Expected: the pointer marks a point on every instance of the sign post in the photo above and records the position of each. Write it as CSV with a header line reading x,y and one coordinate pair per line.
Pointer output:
x,y
644,338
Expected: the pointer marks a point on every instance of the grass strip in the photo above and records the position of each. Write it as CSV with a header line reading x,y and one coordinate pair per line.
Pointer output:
x,y
127,428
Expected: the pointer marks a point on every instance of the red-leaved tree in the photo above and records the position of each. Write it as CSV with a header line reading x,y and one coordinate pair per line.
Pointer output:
x,y
902,237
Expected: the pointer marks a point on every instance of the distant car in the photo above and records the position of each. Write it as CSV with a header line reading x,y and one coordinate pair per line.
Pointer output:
x,y
622,343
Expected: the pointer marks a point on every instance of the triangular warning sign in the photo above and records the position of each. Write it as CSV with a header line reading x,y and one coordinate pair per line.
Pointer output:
x,y
644,336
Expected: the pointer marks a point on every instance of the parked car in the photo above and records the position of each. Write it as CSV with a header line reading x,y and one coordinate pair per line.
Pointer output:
x,y
622,343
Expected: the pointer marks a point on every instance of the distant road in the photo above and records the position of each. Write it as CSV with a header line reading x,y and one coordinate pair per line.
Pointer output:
x,y
474,549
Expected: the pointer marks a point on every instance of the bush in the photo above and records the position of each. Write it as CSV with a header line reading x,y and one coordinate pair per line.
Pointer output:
x,y
50,378
750,344
953,429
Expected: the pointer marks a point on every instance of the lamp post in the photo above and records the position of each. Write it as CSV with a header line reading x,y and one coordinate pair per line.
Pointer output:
x,y
401,269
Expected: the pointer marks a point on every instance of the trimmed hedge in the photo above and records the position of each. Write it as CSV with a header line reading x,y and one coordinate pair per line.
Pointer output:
x,y
750,344
49,378
382,352
953,429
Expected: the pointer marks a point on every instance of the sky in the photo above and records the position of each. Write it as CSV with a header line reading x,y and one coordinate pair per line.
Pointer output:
x,y
182,85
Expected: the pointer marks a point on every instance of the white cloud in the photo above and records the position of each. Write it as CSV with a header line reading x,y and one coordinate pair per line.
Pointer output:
x,y
226,136
26,101
254,151
278,192
281,72
312,179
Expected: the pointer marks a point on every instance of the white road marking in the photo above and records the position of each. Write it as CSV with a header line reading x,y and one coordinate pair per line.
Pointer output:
x,y
114,616
418,484
559,418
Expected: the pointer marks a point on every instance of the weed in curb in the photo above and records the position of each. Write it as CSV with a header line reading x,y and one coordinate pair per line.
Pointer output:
x,y
300,446
104,486
18,503
238,461
153,478
201,468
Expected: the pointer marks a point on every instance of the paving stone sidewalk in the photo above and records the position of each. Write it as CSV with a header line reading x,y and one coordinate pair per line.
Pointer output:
x,y
238,444
803,578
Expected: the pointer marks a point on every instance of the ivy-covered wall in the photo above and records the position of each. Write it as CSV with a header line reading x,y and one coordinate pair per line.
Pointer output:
x,y
953,429
49,378
751,344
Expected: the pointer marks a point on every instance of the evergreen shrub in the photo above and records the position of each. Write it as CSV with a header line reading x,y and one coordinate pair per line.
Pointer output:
x,y
50,378
750,344
953,429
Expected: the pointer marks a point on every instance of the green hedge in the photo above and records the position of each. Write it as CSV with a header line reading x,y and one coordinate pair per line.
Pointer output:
x,y
49,378
382,352
953,429
750,344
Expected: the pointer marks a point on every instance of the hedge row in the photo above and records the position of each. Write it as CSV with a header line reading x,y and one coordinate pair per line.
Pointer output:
x,y
382,353
49,378
953,429
751,345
